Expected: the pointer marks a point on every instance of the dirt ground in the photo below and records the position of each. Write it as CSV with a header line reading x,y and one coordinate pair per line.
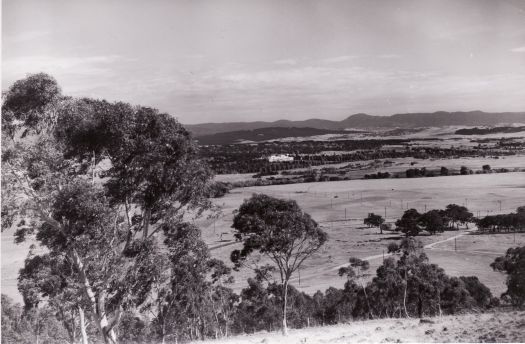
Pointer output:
x,y
500,327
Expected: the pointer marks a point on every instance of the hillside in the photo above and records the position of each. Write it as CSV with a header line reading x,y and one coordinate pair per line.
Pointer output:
x,y
407,120
470,328
263,134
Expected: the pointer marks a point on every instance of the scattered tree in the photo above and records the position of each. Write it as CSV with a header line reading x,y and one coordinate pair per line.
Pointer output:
x,y
374,220
409,223
281,231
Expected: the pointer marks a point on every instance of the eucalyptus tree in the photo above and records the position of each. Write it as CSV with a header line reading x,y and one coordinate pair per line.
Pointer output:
x,y
356,269
50,278
94,182
513,264
279,230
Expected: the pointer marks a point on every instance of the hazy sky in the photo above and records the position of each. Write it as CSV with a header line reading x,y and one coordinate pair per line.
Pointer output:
x,y
221,60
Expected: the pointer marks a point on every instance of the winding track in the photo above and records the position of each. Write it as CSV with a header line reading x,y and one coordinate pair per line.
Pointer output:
x,y
377,256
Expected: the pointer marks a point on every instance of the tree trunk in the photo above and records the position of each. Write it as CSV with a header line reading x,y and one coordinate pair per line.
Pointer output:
x,y
285,301
93,165
82,326
405,296
367,302
37,326
97,304
147,218
163,332
105,326
420,307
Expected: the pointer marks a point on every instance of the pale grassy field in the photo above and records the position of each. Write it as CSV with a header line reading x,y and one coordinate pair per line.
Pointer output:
x,y
489,327
327,202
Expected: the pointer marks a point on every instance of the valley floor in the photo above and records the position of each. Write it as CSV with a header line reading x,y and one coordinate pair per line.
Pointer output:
x,y
486,327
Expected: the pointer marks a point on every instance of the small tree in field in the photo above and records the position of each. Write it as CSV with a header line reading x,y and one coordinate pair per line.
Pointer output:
x,y
279,230
374,220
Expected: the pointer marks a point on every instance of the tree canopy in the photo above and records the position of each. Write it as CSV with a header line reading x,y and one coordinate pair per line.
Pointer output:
x,y
94,183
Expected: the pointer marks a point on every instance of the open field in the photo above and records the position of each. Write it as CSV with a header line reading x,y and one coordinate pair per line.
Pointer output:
x,y
469,328
358,169
328,202
511,163
444,133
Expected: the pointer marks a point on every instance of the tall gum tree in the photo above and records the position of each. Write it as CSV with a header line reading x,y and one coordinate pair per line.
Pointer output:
x,y
279,230
94,181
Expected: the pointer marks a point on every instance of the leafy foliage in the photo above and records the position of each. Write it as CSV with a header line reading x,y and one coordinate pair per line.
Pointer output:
x,y
95,183
513,264
28,103
373,220
409,223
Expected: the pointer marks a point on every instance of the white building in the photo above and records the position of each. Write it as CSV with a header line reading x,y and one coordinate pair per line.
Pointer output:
x,y
280,158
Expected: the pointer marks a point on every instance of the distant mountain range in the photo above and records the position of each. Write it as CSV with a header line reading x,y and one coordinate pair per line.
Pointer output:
x,y
362,121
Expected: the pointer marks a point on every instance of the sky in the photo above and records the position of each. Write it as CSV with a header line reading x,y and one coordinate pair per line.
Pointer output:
x,y
247,60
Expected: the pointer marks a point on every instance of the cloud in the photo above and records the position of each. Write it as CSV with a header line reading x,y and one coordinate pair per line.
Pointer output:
x,y
26,36
290,62
75,74
389,56
518,50
338,59
59,65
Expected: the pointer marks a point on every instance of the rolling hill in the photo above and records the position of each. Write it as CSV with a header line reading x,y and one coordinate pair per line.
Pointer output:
x,y
361,121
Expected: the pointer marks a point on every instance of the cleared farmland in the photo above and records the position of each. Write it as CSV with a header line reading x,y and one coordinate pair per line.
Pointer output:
x,y
341,206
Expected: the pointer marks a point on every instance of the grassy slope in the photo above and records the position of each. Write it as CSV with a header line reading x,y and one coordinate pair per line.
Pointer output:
x,y
488,327
350,238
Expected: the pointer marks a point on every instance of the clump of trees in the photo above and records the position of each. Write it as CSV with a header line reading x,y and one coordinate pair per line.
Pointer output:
x,y
503,222
412,223
405,285
378,175
416,172
103,188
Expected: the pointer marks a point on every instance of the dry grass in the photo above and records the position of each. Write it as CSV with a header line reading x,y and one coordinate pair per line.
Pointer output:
x,y
350,238
488,327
